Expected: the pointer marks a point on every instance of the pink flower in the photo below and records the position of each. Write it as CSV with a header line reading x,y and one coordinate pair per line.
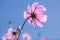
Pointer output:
x,y
45,38
35,14
26,36
9,35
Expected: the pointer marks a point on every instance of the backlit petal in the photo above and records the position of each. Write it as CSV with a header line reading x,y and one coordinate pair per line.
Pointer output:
x,y
39,23
40,9
42,18
29,20
29,9
26,15
34,5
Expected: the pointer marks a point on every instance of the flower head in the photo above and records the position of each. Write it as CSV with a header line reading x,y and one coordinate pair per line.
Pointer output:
x,y
26,36
45,38
35,14
10,35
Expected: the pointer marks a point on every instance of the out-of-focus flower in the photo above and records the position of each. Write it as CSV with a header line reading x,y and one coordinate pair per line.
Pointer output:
x,y
35,14
26,36
45,38
10,35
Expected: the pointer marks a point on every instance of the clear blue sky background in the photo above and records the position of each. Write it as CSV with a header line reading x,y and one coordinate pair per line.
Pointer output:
x,y
14,9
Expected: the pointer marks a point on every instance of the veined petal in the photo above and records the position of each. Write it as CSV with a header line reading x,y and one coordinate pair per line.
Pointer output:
x,y
34,6
38,12
29,20
29,9
40,9
42,18
26,15
39,23
33,23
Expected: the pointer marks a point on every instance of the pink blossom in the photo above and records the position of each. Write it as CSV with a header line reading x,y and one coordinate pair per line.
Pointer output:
x,y
9,35
26,36
45,38
35,14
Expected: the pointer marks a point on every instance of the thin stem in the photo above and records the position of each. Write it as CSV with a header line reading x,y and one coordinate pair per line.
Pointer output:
x,y
23,26
24,23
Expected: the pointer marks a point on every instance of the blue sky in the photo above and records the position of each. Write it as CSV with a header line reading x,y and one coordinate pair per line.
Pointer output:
x,y
13,10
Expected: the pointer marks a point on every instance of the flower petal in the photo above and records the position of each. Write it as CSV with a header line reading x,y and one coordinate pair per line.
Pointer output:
x,y
4,37
29,9
33,22
29,20
39,23
10,30
43,9
26,15
9,33
34,5
42,18
40,9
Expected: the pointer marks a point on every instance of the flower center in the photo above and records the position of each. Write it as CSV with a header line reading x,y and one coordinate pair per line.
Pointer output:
x,y
14,33
33,15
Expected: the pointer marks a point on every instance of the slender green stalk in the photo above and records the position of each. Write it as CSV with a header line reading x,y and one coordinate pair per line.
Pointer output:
x,y
22,26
